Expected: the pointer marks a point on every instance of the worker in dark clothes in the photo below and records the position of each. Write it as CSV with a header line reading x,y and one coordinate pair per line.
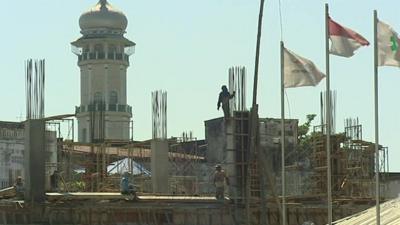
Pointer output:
x,y
219,182
224,97
54,179
19,188
126,185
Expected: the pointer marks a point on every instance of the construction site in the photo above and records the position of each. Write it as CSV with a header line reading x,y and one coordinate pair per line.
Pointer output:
x,y
71,178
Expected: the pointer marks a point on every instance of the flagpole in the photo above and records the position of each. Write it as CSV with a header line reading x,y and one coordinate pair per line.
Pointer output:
x,y
283,134
328,118
377,188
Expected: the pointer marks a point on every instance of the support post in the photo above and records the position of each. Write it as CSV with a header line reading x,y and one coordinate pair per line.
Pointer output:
x,y
377,187
159,165
328,117
283,134
34,161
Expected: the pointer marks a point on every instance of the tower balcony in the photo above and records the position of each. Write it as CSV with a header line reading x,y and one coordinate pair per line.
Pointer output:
x,y
104,108
103,56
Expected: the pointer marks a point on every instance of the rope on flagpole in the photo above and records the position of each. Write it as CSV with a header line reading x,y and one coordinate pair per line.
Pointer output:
x,y
288,105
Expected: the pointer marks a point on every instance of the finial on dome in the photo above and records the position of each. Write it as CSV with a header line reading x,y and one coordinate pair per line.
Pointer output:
x,y
103,4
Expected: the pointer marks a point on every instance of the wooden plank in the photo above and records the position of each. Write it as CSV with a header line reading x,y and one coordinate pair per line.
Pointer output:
x,y
7,192
116,195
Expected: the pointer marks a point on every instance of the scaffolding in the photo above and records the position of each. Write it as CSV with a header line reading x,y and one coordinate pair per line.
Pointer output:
x,y
353,163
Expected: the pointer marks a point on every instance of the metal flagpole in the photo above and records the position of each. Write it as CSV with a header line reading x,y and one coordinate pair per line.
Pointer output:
x,y
283,134
328,118
377,188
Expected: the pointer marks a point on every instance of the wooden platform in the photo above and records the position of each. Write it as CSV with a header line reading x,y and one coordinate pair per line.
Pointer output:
x,y
118,196
7,192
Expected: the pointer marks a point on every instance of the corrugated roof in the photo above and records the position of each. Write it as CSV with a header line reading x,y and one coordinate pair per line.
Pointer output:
x,y
390,215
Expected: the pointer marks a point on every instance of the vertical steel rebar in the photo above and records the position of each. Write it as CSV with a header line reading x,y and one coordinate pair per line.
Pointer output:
x,y
159,114
35,88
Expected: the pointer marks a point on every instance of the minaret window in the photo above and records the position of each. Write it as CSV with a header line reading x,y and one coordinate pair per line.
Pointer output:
x,y
98,98
99,50
86,49
112,50
113,97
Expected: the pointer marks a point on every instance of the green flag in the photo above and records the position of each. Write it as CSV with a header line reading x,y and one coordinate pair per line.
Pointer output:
x,y
388,46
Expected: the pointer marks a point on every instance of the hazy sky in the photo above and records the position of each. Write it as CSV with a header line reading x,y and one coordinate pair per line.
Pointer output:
x,y
186,48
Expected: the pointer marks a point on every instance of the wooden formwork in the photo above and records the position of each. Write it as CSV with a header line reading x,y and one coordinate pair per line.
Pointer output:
x,y
164,210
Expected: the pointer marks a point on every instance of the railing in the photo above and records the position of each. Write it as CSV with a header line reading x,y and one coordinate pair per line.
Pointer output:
x,y
102,55
103,107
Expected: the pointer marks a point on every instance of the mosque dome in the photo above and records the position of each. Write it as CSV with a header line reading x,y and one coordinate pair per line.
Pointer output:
x,y
103,16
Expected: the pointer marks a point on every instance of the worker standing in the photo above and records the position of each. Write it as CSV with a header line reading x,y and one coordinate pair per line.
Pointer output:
x,y
54,180
219,182
223,99
19,188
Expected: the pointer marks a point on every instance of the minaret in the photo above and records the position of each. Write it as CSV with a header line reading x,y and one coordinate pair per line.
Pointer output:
x,y
103,57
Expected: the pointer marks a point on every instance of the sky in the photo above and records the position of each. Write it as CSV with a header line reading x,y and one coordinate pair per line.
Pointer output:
x,y
186,48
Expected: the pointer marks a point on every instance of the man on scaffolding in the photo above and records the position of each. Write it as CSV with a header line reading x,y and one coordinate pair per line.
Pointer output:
x,y
219,182
126,185
224,97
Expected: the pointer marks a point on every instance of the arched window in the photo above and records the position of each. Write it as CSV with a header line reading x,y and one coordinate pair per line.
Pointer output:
x,y
98,98
85,49
98,48
113,99
112,48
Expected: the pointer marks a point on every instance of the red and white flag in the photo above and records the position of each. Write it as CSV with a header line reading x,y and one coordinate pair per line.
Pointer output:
x,y
344,40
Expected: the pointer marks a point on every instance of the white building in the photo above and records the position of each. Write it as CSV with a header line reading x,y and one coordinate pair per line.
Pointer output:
x,y
103,57
11,152
12,146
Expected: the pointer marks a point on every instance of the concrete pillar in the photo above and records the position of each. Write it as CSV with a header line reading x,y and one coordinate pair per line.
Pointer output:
x,y
221,148
34,161
159,165
215,134
230,158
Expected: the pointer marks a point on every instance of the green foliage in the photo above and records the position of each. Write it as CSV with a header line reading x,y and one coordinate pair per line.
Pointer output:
x,y
305,137
305,128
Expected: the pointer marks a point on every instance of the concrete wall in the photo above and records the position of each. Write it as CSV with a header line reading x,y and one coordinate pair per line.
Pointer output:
x,y
219,134
11,153
393,189
392,183
215,134
270,140
270,143
12,148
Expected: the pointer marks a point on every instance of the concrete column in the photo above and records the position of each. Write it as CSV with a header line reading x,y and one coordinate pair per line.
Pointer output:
x,y
34,161
159,165
230,157
215,132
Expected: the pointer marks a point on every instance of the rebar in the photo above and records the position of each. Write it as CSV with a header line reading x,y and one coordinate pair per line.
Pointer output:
x,y
333,99
159,117
237,84
34,88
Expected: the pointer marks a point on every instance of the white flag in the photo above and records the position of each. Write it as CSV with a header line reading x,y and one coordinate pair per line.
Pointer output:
x,y
299,71
388,46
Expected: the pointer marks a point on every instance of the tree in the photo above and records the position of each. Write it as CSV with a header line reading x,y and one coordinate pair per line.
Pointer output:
x,y
305,128
305,137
